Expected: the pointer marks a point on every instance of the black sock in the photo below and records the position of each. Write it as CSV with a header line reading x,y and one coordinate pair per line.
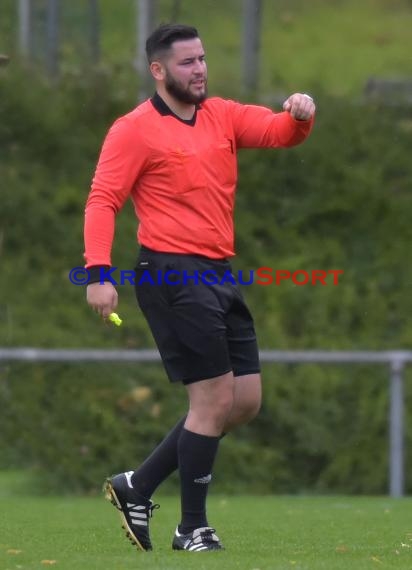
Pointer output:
x,y
196,455
159,465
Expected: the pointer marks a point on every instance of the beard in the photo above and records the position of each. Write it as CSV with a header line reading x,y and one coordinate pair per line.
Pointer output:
x,y
175,89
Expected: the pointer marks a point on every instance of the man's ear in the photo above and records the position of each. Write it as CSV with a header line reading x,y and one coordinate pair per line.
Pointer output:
x,y
157,70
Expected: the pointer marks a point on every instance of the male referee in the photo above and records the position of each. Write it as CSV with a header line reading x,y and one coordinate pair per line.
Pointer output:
x,y
175,156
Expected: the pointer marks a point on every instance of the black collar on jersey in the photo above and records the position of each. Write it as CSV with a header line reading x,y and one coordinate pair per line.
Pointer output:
x,y
164,110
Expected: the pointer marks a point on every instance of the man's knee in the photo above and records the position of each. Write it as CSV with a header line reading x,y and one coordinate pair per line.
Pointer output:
x,y
218,406
249,409
247,402
223,404
211,402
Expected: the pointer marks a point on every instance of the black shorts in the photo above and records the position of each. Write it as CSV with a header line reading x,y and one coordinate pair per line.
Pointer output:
x,y
202,330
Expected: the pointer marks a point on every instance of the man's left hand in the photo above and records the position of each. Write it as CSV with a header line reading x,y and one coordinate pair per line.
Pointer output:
x,y
300,106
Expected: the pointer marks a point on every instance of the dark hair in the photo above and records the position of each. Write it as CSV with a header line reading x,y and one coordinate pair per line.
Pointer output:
x,y
162,38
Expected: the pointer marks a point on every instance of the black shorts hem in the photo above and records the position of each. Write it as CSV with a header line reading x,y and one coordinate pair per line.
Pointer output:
x,y
199,379
246,372
192,380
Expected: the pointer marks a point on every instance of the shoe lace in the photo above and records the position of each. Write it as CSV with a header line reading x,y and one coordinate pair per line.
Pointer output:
x,y
152,508
208,535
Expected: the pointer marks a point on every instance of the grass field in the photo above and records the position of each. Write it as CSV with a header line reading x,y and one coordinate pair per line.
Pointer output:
x,y
259,533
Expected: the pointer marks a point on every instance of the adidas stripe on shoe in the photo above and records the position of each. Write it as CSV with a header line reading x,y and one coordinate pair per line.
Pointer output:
x,y
201,539
135,510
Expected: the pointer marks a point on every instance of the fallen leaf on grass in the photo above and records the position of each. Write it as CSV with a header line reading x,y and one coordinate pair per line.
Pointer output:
x,y
49,562
342,548
13,551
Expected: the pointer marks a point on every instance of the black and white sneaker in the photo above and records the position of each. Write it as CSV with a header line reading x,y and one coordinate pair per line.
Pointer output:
x,y
200,539
135,510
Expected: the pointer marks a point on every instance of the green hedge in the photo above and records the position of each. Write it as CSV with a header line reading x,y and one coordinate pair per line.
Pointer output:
x,y
340,201
321,429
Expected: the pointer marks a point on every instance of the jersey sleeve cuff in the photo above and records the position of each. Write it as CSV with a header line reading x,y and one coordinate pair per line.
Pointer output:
x,y
97,273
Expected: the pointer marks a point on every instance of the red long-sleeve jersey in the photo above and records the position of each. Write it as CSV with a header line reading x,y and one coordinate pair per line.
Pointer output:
x,y
180,175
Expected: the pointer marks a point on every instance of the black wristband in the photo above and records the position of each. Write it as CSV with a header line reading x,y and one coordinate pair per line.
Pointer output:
x,y
96,273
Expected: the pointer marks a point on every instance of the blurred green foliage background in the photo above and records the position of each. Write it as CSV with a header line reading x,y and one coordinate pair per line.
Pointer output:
x,y
342,200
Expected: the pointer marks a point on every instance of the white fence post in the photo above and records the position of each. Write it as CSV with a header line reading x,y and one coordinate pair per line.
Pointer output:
x,y
396,430
252,16
53,38
25,29
145,19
